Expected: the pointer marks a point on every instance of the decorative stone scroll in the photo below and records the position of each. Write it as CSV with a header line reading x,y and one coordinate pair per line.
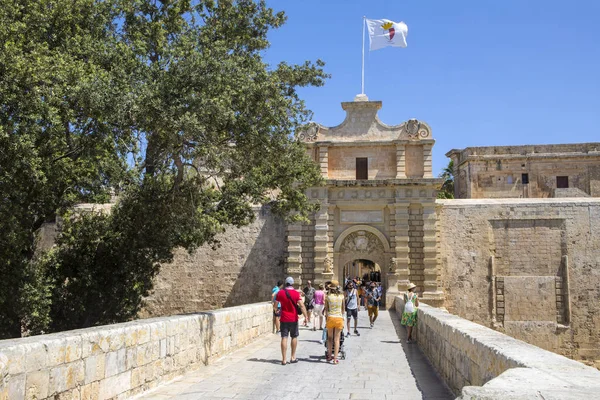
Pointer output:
x,y
309,134
362,242
415,130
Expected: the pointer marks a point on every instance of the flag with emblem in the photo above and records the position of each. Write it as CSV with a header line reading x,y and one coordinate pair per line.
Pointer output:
x,y
383,33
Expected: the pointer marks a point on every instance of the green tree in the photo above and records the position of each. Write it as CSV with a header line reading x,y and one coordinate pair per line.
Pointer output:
x,y
61,135
170,104
447,189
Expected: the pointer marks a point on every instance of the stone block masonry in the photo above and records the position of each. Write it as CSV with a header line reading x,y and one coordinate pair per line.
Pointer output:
x,y
479,363
242,270
527,267
121,360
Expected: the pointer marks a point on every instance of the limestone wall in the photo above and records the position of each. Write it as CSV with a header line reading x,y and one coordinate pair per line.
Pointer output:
x,y
118,361
498,171
503,179
478,362
243,270
526,267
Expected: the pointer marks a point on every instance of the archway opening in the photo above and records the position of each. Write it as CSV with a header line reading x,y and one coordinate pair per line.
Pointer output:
x,y
365,270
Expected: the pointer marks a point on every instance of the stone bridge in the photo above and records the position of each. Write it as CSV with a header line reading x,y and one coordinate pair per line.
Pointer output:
x,y
232,353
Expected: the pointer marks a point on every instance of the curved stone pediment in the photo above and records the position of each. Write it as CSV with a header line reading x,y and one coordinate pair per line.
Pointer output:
x,y
363,124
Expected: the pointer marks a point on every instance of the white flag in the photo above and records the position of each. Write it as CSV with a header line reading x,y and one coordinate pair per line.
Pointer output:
x,y
383,32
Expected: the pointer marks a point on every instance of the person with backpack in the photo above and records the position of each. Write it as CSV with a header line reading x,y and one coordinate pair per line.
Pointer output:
x,y
277,312
351,298
373,303
409,315
291,306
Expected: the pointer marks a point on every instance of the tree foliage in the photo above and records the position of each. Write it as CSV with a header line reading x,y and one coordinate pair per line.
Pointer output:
x,y
167,102
447,189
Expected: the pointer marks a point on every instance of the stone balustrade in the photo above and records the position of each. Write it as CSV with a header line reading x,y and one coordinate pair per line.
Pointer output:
x,y
479,363
121,360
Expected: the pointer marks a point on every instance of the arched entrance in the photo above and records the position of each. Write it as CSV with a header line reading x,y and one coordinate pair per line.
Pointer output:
x,y
361,242
365,270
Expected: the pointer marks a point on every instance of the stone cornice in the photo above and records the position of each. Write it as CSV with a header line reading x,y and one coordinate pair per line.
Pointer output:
x,y
363,125
433,182
355,105
526,151
369,143
531,156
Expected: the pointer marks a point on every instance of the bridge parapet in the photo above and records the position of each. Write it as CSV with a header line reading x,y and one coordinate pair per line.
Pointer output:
x,y
477,362
121,360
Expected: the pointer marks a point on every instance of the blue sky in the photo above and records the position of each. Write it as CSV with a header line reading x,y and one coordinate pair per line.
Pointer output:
x,y
479,72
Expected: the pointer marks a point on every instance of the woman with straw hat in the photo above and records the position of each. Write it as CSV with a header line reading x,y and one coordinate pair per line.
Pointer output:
x,y
409,316
334,311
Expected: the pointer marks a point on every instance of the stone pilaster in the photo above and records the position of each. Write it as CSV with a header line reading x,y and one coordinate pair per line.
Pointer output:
x,y
324,161
401,249
321,249
400,161
427,161
294,258
327,276
432,294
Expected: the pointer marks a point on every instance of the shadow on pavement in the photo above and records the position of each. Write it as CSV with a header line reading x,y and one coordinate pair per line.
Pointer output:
x,y
264,360
313,359
429,382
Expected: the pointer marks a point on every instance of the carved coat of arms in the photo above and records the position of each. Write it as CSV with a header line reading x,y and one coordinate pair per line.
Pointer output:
x,y
362,241
412,128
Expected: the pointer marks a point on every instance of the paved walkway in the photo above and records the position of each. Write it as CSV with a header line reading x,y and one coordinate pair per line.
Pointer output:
x,y
378,366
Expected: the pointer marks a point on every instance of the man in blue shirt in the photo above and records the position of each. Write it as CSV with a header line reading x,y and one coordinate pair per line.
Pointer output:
x,y
276,314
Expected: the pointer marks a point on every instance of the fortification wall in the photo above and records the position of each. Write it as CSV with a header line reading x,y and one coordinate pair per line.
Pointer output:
x,y
121,360
243,270
479,363
526,267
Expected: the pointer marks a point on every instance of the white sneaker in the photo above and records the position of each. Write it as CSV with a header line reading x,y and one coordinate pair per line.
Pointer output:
x,y
371,325
320,342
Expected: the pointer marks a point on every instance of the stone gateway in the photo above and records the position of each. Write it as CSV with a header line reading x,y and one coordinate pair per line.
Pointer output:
x,y
377,207
528,267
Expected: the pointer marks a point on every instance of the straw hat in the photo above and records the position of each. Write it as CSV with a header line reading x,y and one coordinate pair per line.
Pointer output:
x,y
411,286
334,284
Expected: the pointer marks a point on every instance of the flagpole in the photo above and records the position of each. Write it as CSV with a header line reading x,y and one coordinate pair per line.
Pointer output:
x,y
362,88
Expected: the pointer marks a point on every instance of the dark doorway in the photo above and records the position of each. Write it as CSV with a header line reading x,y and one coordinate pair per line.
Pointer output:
x,y
562,182
362,168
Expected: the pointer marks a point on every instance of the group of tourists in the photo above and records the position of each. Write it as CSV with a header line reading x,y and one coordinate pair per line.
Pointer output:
x,y
329,303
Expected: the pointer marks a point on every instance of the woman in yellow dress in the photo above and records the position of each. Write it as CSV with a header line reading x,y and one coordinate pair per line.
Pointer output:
x,y
334,311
